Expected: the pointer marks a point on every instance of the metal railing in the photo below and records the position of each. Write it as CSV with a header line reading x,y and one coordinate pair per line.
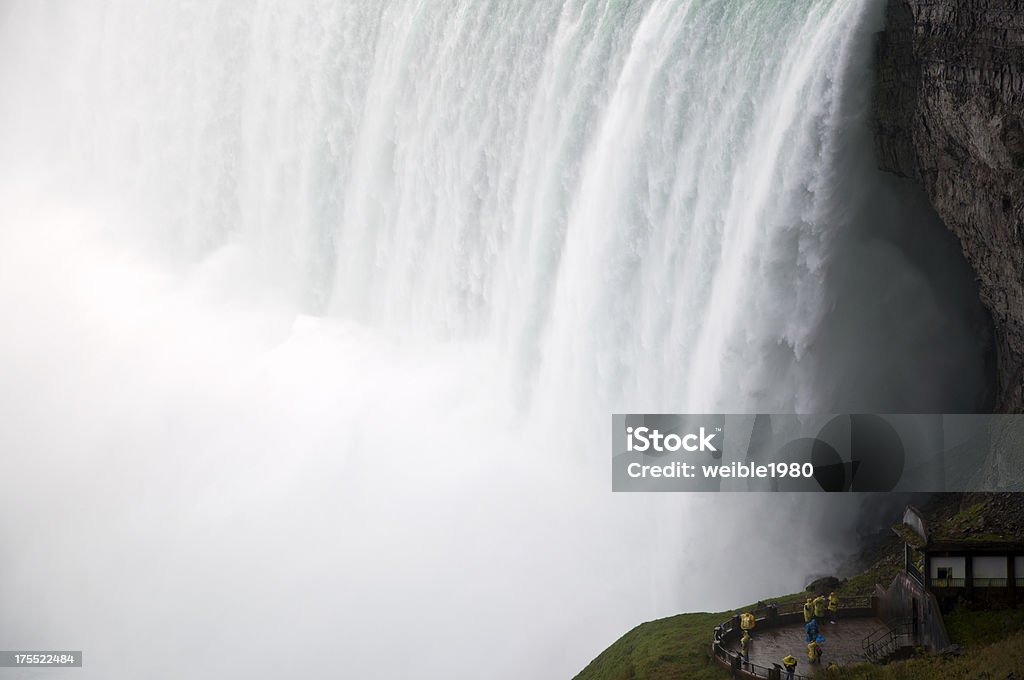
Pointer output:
x,y
915,572
735,661
732,658
762,672
977,582
884,642
784,608
857,602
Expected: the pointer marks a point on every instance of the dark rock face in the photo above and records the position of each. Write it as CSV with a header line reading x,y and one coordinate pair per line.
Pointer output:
x,y
823,586
949,106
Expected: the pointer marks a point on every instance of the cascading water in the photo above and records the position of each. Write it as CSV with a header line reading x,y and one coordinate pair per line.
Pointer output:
x,y
315,314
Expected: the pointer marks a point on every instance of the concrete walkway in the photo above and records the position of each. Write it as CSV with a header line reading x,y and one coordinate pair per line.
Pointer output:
x,y
843,644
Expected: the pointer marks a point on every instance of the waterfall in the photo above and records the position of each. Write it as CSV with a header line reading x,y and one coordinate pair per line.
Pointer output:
x,y
315,314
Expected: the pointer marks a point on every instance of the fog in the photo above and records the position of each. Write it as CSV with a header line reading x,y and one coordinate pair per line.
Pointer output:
x,y
314,316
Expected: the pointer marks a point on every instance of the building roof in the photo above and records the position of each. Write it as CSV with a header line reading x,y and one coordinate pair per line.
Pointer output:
x,y
914,519
915,532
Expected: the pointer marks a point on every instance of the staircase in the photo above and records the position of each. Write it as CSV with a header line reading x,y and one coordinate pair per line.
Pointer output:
x,y
885,642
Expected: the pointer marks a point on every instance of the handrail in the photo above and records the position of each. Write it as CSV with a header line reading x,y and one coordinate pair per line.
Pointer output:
x,y
977,582
762,614
782,608
755,670
913,571
876,636
884,642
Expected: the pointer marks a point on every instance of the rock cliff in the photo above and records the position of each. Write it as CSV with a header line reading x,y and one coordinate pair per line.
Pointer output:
x,y
949,107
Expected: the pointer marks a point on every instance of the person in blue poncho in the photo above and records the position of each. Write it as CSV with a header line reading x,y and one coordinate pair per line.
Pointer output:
x,y
811,628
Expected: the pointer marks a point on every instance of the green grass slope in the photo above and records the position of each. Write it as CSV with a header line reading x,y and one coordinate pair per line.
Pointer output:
x,y
676,648
1001,660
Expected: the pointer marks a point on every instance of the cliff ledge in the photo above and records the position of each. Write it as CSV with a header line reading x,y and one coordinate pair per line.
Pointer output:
x,y
949,107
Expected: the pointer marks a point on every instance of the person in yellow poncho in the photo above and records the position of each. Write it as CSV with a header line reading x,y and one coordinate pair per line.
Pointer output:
x,y
833,607
808,610
815,650
789,663
819,606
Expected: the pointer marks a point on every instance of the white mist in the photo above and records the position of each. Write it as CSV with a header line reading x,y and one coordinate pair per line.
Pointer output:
x,y
314,315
